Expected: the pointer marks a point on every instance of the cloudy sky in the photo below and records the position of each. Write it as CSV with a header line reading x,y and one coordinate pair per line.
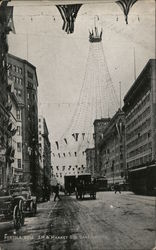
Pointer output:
x,y
60,59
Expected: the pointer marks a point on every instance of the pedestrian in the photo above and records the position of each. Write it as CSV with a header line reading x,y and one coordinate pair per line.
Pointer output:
x,y
56,191
117,188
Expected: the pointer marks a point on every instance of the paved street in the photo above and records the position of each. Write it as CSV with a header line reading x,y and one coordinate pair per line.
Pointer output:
x,y
112,221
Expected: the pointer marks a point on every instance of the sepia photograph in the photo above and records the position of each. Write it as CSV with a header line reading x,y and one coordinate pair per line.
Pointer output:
x,y
77,125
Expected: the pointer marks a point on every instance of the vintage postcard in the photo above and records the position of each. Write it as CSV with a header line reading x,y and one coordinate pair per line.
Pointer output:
x,y
77,125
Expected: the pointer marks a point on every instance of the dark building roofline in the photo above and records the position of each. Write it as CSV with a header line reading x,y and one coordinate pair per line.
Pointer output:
x,y
137,81
101,120
89,149
25,62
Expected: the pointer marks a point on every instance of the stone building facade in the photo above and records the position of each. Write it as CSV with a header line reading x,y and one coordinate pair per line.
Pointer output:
x,y
140,113
112,150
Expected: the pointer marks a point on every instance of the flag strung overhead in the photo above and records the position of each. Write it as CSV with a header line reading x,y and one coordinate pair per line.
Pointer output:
x,y
65,140
125,6
57,145
6,15
68,14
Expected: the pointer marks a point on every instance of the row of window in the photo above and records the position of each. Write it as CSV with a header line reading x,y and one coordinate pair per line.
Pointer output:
x,y
138,119
139,150
18,92
17,80
142,160
139,139
15,68
18,114
29,74
139,129
138,107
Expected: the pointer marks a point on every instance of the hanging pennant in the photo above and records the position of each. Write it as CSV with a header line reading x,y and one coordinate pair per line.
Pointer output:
x,y
57,145
73,135
65,140
125,6
76,136
68,13
6,12
83,135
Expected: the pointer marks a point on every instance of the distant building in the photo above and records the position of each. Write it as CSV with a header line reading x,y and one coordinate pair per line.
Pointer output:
x,y
99,126
25,82
45,152
140,112
90,160
112,150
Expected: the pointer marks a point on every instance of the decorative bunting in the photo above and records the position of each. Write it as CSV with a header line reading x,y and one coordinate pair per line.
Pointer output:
x,y
76,136
73,135
65,140
83,135
68,14
6,12
57,145
125,6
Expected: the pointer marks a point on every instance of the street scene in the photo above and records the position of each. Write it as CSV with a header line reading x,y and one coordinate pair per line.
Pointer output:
x,y
77,125
107,223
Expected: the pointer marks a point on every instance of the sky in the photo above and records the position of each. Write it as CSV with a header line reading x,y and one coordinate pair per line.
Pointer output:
x,y
61,58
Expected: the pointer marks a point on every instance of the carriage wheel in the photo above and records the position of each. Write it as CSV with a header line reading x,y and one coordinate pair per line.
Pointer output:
x,y
17,217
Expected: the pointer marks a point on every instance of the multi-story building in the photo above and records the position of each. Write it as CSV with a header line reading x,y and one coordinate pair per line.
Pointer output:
x,y
90,160
99,126
25,83
112,150
45,153
140,112
16,121
6,18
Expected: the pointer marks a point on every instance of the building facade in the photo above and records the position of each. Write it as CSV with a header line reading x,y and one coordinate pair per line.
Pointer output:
x,y
90,160
16,170
99,126
140,112
112,151
6,151
45,153
25,83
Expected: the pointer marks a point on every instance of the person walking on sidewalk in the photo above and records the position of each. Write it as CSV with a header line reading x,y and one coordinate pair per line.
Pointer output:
x,y
56,191
117,188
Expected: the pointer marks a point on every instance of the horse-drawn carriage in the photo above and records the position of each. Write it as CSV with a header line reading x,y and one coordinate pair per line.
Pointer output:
x,y
84,186
11,211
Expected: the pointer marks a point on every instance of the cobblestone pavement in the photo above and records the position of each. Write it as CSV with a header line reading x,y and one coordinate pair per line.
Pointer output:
x,y
111,222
